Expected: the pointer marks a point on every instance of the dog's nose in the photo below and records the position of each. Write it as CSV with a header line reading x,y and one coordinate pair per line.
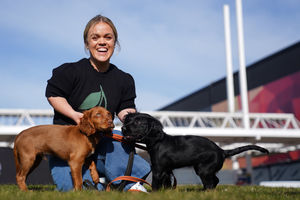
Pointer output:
x,y
111,123
128,138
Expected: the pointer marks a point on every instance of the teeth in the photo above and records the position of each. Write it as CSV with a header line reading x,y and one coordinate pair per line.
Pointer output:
x,y
102,50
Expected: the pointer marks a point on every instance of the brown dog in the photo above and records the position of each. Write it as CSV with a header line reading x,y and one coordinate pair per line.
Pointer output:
x,y
71,143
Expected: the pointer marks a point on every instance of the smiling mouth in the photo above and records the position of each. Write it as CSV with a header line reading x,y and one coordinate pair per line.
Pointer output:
x,y
102,50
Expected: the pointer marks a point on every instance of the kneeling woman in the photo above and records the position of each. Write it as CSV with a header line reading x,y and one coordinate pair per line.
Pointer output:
x,y
94,81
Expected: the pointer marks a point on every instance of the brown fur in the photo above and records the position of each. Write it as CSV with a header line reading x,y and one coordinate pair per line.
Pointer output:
x,y
70,143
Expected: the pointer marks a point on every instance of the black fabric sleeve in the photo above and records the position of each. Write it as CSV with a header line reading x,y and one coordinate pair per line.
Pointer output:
x,y
128,94
61,82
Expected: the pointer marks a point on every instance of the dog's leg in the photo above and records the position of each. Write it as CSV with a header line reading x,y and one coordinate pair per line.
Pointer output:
x,y
36,163
166,180
93,170
158,179
20,182
25,163
156,183
207,175
76,172
209,181
216,181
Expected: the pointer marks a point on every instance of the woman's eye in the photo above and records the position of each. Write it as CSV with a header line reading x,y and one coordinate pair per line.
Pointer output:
x,y
94,37
98,115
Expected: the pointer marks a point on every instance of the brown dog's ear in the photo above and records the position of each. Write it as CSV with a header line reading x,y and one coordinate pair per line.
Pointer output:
x,y
86,126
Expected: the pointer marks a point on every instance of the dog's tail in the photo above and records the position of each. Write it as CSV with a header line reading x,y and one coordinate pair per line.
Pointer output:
x,y
238,150
16,156
16,153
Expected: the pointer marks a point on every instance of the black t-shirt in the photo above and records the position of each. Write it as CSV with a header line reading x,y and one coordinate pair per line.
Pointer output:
x,y
84,88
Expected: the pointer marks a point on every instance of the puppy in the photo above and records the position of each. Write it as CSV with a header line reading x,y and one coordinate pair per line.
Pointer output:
x,y
171,152
70,143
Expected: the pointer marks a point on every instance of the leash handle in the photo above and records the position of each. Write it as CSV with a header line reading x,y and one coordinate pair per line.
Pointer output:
x,y
127,178
128,169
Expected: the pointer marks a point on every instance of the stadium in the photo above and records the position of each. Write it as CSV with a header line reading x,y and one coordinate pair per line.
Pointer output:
x,y
273,87
273,84
274,113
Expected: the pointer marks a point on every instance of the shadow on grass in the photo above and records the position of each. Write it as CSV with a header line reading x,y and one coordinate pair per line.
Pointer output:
x,y
285,192
41,187
190,188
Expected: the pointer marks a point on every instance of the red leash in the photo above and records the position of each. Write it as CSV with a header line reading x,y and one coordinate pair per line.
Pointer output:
x,y
120,138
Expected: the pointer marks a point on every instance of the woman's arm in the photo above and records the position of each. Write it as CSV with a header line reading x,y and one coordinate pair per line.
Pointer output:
x,y
123,113
61,105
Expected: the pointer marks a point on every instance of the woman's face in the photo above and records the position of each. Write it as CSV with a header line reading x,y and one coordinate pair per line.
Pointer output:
x,y
101,42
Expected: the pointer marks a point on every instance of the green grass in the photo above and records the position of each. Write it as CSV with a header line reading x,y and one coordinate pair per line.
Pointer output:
x,y
223,192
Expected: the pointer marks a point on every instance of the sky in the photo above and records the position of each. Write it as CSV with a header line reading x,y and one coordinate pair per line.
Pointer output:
x,y
172,48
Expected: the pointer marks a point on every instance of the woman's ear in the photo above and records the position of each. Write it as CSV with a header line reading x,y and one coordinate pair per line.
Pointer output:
x,y
86,126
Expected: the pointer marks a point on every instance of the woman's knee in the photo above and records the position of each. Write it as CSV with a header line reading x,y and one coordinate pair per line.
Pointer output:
x,y
61,173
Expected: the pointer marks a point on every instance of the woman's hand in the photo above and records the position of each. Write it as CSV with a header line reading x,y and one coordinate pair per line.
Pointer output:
x,y
123,113
61,105
76,116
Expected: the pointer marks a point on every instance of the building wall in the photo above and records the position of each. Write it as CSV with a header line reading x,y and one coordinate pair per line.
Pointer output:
x,y
273,84
279,96
277,172
41,175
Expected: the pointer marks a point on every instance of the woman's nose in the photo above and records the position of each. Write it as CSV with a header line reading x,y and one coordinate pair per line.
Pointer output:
x,y
101,41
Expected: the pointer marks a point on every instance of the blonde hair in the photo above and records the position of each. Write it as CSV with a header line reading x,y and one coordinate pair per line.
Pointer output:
x,y
95,20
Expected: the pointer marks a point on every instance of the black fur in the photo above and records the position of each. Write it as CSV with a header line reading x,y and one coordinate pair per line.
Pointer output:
x,y
171,152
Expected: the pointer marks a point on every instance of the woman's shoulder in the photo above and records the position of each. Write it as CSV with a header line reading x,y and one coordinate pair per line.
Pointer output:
x,y
120,73
76,64
67,67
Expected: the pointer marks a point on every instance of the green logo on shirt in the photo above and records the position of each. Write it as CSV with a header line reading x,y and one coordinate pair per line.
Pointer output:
x,y
94,99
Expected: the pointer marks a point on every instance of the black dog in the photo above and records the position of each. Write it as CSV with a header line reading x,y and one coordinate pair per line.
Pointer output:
x,y
171,152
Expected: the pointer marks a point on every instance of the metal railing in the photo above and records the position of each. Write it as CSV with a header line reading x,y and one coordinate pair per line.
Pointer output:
x,y
224,128
226,120
22,117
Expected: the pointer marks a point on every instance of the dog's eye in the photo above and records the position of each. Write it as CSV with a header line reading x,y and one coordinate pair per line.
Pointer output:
x,y
138,123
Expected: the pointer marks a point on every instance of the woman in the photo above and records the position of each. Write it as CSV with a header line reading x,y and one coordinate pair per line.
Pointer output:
x,y
75,87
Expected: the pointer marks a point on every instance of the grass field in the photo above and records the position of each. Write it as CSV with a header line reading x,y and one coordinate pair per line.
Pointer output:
x,y
223,192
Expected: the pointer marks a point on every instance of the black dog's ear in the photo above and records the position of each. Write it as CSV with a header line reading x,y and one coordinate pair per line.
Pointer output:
x,y
156,125
153,123
156,129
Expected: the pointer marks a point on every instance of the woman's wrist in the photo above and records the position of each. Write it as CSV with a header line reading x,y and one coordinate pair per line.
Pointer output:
x,y
76,116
